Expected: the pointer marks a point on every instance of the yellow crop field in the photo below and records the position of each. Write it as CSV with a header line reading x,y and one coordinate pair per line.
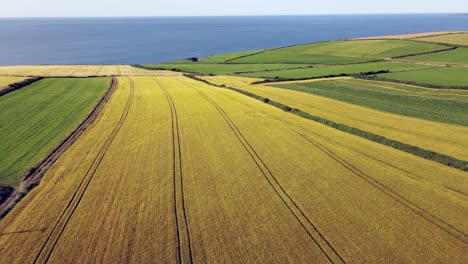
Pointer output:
x,y
417,35
443,138
455,39
175,170
7,80
80,71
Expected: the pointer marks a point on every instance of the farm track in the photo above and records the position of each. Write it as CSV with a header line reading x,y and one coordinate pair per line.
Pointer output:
x,y
34,177
60,225
448,228
327,249
184,249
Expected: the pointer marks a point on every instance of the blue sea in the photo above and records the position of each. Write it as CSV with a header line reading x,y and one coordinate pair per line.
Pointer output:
x,y
158,39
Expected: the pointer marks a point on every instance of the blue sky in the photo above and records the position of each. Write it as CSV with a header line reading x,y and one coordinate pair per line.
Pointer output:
x,y
73,8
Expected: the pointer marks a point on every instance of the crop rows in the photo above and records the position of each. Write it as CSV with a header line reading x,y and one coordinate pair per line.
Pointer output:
x,y
174,170
79,71
443,138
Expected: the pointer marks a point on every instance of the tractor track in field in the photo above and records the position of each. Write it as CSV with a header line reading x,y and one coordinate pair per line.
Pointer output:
x,y
448,228
184,248
410,174
60,225
333,256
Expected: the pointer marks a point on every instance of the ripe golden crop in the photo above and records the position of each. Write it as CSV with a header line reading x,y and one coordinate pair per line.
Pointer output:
x,y
443,138
80,71
177,170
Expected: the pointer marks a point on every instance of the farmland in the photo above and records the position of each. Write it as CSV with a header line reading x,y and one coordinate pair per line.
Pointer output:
x,y
7,80
37,118
220,58
454,39
224,68
443,76
459,55
340,52
350,151
336,70
420,35
187,200
435,136
434,105
77,71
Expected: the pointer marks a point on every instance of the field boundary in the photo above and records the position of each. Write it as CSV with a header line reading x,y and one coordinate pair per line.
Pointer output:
x,y
414,150
16,86
425,53
243,56
34,176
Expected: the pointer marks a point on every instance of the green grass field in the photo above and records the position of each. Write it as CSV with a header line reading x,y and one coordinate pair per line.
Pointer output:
x,y
444,76
341,52
290,57
435,105
223,68
35,119
228,56
365,48
336,70
459,55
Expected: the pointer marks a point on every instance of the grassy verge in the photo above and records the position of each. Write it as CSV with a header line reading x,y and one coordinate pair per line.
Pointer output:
x,y
423,153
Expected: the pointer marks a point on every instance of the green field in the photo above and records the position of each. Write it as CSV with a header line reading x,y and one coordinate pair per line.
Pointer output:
x,y
459,55
229,56
336,70
278,56
444,76
435,105
35,119
206,68
341,52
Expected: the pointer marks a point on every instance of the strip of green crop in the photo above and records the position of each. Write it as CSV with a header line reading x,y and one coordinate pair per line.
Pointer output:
x,y
388,97
38,117
423,153
439,77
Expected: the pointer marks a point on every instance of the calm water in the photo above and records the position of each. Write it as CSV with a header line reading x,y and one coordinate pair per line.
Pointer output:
x,y
154,40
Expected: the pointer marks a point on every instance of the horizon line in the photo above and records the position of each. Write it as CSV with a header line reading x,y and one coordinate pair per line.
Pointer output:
x,y
260,15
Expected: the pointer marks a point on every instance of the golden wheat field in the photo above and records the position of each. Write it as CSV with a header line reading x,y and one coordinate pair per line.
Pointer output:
x,y
79,71
454,39
7,80
417,35
443,138
177,171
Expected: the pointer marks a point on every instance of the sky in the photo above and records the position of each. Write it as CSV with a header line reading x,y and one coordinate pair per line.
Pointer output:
x,y
109,8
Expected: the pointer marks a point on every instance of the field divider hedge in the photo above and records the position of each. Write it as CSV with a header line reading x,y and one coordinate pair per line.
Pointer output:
x,y
16,86
424,53
414,150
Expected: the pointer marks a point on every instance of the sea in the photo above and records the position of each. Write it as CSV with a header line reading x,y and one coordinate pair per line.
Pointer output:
x,y
132,40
